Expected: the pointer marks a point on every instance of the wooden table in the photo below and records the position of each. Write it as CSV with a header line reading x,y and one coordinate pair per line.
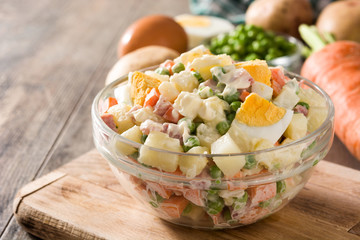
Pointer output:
x,y
54,57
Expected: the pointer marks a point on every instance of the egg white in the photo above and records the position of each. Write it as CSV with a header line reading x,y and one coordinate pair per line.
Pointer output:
x,y
197,35
272,132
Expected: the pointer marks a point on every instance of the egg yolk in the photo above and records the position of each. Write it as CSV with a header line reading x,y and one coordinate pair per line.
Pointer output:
x,y
258,70
194,21
258,112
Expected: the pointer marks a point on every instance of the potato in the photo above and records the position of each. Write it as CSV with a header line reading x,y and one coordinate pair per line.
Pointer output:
x,y
141,58
283,16
342,18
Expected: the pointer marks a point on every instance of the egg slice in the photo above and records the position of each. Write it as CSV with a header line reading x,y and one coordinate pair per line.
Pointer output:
x,y
200,28
259,118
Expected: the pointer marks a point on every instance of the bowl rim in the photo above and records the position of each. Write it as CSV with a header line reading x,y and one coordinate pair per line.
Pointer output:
x,y
330,106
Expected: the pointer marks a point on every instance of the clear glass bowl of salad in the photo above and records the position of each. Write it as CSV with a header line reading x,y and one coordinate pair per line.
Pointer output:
x,y
171,156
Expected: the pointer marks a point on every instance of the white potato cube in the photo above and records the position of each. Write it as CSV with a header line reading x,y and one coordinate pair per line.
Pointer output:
x,y
184,81
192,166
163,161
212,110
122,120
122,94
207,135
203,64
145,113
316,117
187,57
297,127
287,98
188,104
262,90
133,134
228,165
311,97
169,91
241,139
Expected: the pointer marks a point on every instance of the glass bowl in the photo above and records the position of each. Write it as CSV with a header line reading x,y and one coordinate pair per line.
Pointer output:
x,y
202,201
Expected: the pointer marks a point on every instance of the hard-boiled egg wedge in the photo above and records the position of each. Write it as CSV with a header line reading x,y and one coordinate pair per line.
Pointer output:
x,y
260,118
200,28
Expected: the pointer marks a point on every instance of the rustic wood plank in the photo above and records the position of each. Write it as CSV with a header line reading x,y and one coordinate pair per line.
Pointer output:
x,y
40,89
76,202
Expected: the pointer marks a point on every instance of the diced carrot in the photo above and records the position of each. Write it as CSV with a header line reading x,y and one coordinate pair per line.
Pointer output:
x,y
194,196
152,97
278,79
107,104
172,115
161,190
262,193
243,95
109,120
168,64
174,206
253,214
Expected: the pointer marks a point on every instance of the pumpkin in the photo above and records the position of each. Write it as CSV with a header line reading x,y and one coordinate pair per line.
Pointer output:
x,y
336,69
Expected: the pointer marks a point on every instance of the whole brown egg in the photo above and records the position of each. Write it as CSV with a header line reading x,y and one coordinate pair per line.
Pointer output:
x,y
153,30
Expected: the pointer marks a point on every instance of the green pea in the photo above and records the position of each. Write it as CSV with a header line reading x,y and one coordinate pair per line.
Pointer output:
x,y
235,56
222,127
227,215
230,117
227,49
212,195
220,86
251,56
143,138
219,95
187,209
250,162
304,104
190,124
215,207
215,172
162,71
178,67
234,106
159,198
197,76
240,202
191,142
265,204
280,186
232,97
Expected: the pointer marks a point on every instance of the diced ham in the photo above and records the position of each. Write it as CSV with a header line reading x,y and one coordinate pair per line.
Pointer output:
x,y
162,106
172,115
109,120
173,130
150,126
278,79
301,109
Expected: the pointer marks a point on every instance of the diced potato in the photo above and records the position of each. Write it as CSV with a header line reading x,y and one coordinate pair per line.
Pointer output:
x,y
207,135
122,94
316,117
133,134
145,113
162,78
228,165
260,144
184,81
203,64
311,97
297,127
213,109
163,161
240,137
192,166
195,213
121,119
287,98
189,56
188,104
169,91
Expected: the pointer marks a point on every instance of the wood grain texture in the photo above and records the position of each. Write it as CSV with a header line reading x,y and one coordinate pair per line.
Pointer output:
x,y
86,202
54,57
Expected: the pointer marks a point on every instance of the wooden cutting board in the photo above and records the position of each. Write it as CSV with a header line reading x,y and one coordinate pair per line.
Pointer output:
x,y
83,200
